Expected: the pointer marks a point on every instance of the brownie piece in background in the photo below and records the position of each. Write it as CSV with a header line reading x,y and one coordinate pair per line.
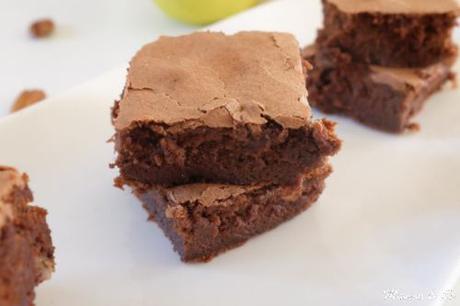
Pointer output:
x,y
203,220
405,33
378,61
212,108
26,249
381,97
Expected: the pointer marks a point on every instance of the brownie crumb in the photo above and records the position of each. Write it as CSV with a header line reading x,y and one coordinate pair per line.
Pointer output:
x,y
28,98
118,182
42,28
413,127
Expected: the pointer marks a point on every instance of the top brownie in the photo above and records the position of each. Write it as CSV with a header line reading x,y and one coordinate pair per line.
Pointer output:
x,y
208,107
404,33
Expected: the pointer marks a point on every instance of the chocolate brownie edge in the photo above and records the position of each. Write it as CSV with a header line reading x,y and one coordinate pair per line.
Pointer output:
x,y
390,39
201,230
381,97
26,250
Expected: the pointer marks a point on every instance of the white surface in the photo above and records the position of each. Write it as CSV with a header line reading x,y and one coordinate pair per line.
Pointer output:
x,y
388,220
91,37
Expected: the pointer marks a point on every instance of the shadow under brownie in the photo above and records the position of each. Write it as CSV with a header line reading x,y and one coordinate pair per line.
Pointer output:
x,y
409,33
26,250
212,108
203,220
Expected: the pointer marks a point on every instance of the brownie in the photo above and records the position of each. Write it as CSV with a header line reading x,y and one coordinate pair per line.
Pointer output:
x,y
212,108
381,97
26,249
203,220
405,33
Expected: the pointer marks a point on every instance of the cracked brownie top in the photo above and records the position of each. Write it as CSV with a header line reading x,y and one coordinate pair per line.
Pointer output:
x,y
216,80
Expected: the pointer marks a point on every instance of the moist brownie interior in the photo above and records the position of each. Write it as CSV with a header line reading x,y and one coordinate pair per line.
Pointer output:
x,y
26,250
382,97
240,155
212,108
409,33
203,220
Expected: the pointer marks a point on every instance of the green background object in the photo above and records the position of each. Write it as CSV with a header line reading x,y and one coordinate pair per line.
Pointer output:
x,y
203,12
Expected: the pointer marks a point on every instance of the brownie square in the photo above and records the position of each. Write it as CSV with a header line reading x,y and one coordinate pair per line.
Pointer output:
x,y
203,220
406,33
212,108
26,249
381,97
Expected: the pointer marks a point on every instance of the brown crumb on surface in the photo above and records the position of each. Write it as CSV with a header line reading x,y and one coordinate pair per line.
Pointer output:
x,y
413,128
42,28
28,98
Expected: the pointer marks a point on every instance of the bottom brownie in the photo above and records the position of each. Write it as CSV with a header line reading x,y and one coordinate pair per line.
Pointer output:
x,y
381,97
203,220
26,250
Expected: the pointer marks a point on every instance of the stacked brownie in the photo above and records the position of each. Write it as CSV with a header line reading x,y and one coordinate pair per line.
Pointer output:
x,y
378,61
215,136
26,249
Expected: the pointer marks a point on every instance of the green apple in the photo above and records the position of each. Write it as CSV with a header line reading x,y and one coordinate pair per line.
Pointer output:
x,y
203,11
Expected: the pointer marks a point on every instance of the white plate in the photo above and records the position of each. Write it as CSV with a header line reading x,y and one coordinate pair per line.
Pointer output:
x,y
388,220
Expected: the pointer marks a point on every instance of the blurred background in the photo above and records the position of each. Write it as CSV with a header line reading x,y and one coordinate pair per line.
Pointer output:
x,y
90,38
